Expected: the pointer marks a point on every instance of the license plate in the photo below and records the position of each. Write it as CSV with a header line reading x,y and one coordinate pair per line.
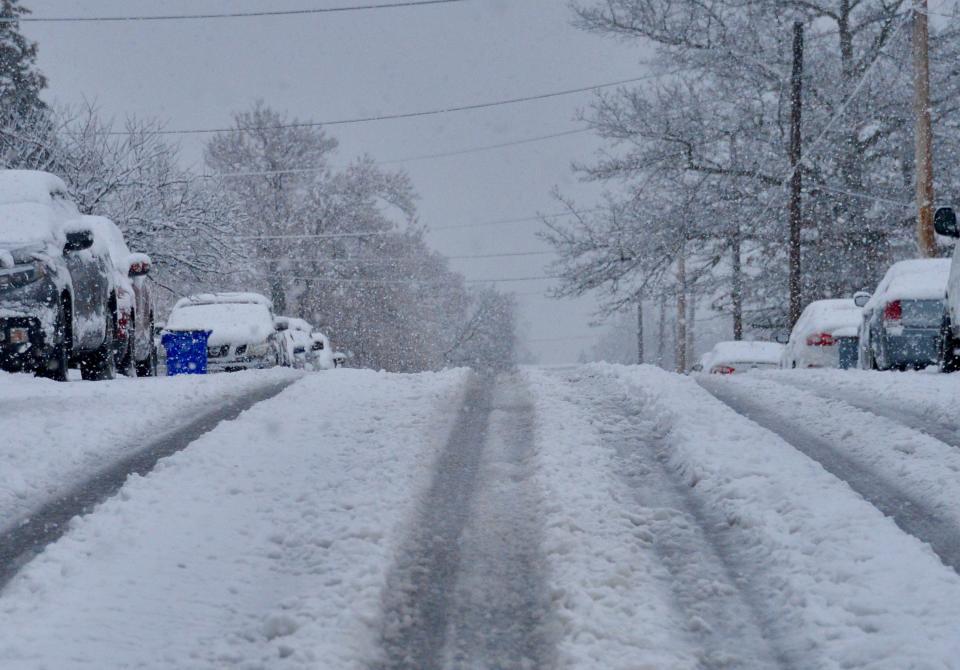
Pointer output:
x,y
19,335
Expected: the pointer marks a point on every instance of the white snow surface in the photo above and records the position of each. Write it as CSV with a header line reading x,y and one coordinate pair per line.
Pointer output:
x,y
839,584
224,297
264,544
55,434
612,599
917,279
230,323
726,353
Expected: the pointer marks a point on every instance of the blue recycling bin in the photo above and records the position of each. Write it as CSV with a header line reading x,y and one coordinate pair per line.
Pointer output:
x,y
849,352
186,351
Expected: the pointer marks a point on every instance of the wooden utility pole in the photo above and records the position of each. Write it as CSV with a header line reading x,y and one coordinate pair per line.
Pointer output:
x,y
926,239
640,329
796,180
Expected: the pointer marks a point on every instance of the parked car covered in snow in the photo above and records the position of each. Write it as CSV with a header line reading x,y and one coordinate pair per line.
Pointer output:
x,y
134,347
903,318
57,294
825,327
945,222
322,356
296,340
243,333
727,358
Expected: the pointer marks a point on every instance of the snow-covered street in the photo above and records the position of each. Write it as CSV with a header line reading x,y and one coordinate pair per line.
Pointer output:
x,y
579,517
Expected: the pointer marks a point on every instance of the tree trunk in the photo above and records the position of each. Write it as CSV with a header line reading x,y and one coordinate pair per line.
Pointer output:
x,y
737,280
691,324
662,331
639,329
926,240
796,181
681,336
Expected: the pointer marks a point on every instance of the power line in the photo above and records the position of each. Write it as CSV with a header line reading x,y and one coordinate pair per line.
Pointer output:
x,y
225,15
386,260
410,159
383,233
406,115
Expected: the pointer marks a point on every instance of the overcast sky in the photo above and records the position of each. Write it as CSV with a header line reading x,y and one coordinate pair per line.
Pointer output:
x,y
193,74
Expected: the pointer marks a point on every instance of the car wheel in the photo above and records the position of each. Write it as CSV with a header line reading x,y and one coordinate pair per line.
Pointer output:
x,y
949,359
55,367
148,366
125,365
100,364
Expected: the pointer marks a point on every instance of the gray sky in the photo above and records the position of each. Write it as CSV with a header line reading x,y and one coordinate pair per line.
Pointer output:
x,y
193,74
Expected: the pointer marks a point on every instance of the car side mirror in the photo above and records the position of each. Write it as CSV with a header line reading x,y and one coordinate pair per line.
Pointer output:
x,y
281,326
139,265
945,222
861,298
782,337
318,346
78,240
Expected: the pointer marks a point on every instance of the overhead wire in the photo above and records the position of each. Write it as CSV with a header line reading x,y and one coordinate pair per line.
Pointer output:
x,y
407,115
226,15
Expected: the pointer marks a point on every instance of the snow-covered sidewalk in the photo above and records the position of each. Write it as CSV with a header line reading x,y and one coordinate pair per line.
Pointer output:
x,y
56,433
266,542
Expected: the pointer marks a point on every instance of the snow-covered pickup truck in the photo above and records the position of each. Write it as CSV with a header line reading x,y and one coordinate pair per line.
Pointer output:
x,y
56,292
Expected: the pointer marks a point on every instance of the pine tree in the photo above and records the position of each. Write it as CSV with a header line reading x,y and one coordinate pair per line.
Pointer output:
x,y
20,81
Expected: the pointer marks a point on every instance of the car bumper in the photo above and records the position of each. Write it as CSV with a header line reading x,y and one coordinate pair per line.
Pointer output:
x,y
238,363
818,357
913,347
23,342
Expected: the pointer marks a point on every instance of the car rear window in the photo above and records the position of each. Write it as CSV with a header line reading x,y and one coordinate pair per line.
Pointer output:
x,y
924,313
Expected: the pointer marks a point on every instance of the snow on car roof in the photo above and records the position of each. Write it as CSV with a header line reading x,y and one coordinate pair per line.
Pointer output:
x,y
107,234
917,279
41,188
836,316
32,206
231,322
224,298
745,352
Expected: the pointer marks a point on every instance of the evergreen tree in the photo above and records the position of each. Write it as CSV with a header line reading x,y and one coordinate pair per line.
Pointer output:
x,y
20,81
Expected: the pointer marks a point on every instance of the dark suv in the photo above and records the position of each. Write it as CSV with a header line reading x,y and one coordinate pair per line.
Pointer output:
x,y
56,292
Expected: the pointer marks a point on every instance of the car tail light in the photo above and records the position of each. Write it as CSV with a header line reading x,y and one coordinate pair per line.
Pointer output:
x,y
723,370
893,311
820,340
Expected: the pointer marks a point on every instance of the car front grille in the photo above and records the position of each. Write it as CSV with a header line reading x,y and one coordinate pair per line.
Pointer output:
x,y
218,352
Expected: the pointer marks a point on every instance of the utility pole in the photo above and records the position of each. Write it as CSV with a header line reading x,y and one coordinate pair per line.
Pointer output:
x,y
926,240
640,328
796,180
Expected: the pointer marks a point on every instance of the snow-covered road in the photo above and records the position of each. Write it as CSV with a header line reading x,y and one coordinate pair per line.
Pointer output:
x,y
584,517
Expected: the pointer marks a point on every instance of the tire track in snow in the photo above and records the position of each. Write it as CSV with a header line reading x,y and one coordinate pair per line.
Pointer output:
x,y
910,513
24,539
710,584
466,591
915,420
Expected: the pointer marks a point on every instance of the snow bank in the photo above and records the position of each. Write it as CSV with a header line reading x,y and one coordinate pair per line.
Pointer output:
x,y
55,433
266,543
842,584
744,352
611,598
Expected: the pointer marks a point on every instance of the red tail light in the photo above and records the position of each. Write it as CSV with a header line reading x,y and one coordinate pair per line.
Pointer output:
x,y
893,311
820,340
723,370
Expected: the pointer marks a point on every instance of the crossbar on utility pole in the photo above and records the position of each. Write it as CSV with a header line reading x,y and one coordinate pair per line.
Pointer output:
x,y
796,179
926,239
